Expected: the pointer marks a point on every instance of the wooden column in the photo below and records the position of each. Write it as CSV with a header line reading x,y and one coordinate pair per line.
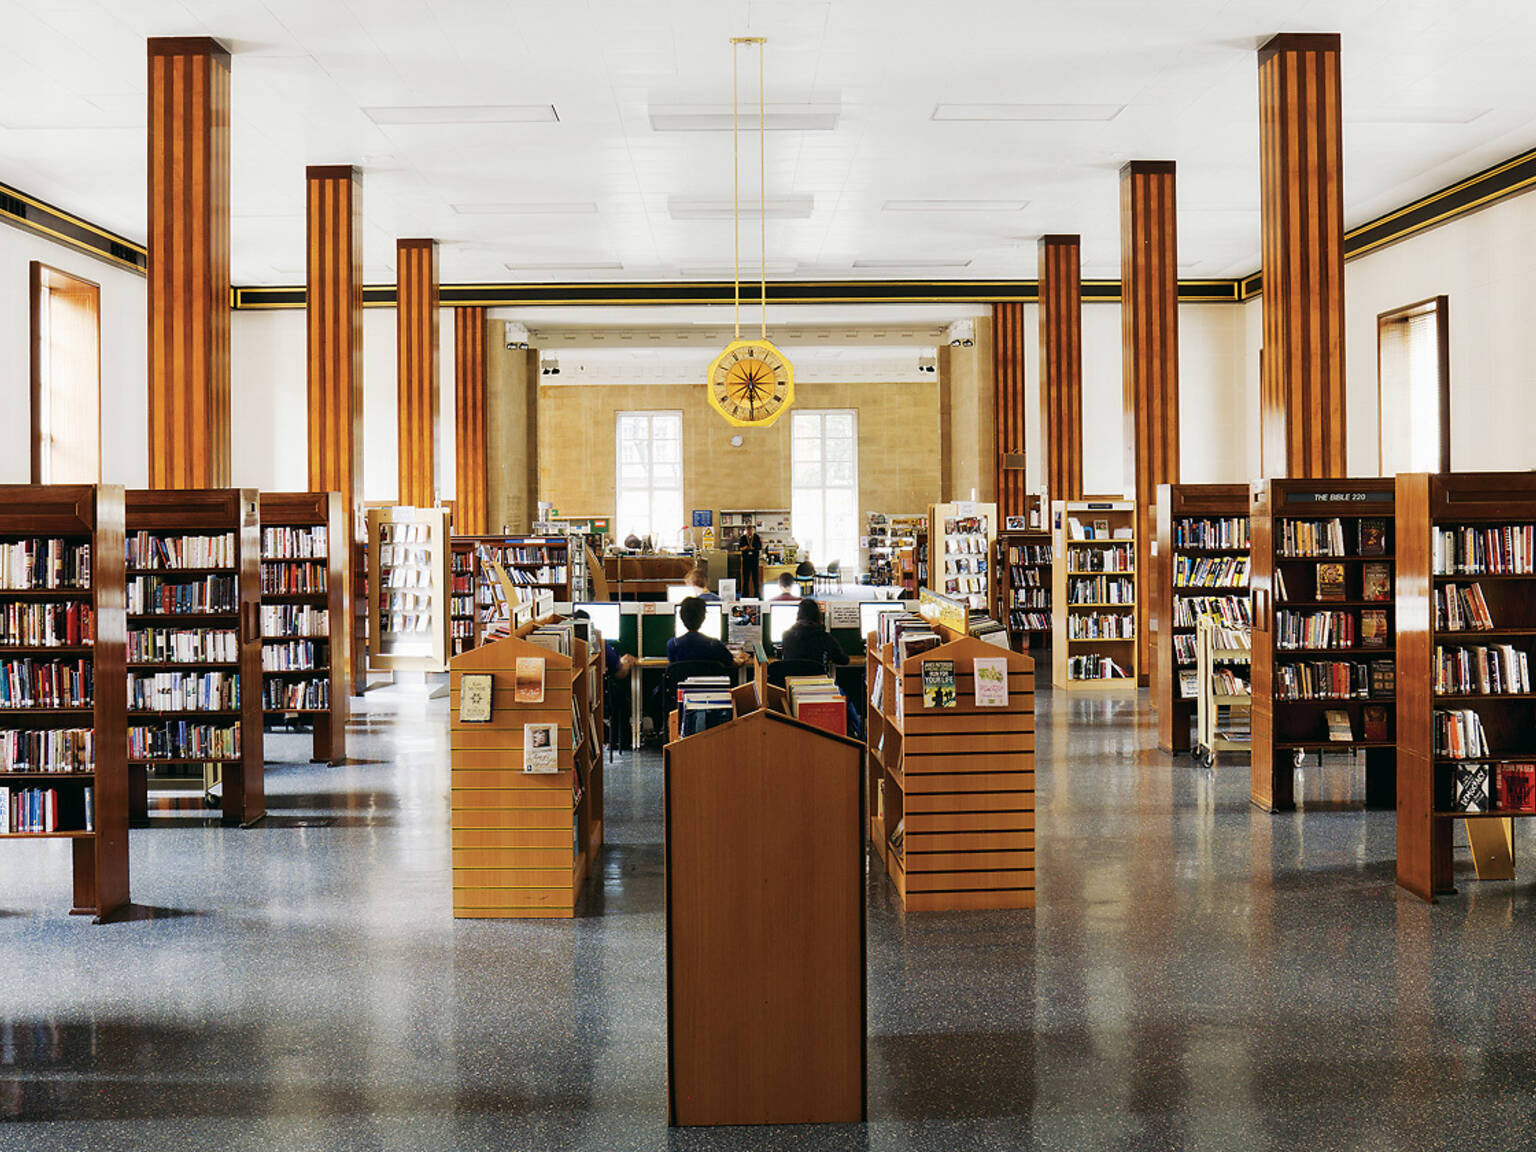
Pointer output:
x,y
188,304
1301,397
1061,363
1149,354
334,315
416,324
1008,392
471,468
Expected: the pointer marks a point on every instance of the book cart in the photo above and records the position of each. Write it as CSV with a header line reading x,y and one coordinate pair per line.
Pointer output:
x,y
1093,595
1465,728
765,923
62,754
1222,709
1022,564
306,602
951,790
1201,569
408,586
523,843
193,628
1311,655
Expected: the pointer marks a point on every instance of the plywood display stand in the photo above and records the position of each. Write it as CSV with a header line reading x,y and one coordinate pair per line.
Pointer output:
x,y
524,843
960,781
416,651
765,925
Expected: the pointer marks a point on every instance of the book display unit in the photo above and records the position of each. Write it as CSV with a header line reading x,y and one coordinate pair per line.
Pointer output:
x,y
306,610
533,564
408,589
1324,666
527,772
63,772
1022,564
1093,595
961,535
194,649
951,780
889,535
1201,569
772,525
1466,629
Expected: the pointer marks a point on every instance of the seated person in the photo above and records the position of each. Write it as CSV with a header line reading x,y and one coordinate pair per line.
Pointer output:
x,y
617,666
694,579
808,639
693,644
789,587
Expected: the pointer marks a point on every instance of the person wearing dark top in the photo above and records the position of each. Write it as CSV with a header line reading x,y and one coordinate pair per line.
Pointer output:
x,y
693,644
751,547
808,639
694,578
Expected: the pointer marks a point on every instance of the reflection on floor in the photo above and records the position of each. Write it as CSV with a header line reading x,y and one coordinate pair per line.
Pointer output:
x,y
1198,975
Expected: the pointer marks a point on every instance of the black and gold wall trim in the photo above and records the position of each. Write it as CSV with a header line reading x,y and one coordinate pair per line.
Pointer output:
x,y
33,215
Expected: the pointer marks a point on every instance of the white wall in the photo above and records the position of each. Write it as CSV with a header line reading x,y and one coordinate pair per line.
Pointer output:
x,y
124,358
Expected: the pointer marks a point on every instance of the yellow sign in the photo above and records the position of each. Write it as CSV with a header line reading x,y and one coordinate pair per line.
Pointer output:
x,y
941,609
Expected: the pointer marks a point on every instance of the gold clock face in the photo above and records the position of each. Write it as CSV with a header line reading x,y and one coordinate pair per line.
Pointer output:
x,y
751,383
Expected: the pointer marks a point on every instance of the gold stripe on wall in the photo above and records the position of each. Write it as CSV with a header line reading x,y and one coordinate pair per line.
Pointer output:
x,y
471,467
1061,363
416,358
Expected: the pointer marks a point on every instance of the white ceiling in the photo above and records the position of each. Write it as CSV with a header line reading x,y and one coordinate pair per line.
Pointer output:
x,y
1434,90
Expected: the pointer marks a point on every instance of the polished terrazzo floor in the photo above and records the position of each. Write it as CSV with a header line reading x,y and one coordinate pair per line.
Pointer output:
x,y
1198,975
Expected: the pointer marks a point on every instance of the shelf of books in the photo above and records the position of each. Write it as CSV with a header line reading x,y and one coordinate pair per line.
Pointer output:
x,y
462,632
194,649
408,582
361,609
773,526
1022,563
63,772
533,564
306,666
1093,596
950,739
1202,567
890,534
1466,571
526,770
1323,666
960,541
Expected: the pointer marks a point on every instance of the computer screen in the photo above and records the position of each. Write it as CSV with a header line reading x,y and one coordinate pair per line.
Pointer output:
x,y
714,622
870,612
605,617
677,593
781,617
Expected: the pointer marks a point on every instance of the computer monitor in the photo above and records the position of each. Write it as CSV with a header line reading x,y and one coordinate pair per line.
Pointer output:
x,y
714,622
605,617
677,593
870,612
781,617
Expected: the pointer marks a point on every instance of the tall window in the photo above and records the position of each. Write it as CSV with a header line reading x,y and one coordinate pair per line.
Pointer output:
x,y
1414,387
650,475
66,378
824,485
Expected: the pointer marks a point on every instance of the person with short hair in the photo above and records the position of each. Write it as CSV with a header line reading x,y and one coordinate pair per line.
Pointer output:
x,y
789,587
693,644
808,639
694,579
750,548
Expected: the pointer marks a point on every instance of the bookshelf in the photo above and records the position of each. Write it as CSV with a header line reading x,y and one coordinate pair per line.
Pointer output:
x,y
533,564
463,634
1093,595
67,613
408,589
765,925
889,534
523,842
1201,569
773,525
306,592
961,535
1022,562
1472,533
1324,641
360,609
194,648
951,790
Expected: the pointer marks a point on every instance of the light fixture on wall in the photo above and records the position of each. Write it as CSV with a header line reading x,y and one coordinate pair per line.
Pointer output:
x,y
927,362
962,334
550,366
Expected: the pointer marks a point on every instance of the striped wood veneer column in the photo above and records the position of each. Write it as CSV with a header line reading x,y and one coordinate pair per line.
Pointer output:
x,y
1149,326
189,298
471,466
334,317
416,357
1301,394
1061,363
1008,390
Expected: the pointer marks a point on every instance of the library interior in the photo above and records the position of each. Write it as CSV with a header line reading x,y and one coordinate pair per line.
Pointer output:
x,y
827,574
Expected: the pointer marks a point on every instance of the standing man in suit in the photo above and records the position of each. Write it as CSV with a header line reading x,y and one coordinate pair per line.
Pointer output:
x,y
751,547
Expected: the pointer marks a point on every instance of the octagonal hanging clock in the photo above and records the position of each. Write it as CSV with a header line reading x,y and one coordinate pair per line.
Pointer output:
x,y
751,383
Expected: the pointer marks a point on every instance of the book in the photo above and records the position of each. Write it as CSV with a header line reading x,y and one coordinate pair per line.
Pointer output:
x,y
1330,581
1376,581
1471,787
991,674
1189,683
1517,787
1373,628
528,683
1373,537
1383,677
938,683
1374,721
541,748
1339,726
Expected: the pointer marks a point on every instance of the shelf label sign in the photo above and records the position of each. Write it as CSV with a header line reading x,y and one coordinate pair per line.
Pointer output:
x,y
1339,497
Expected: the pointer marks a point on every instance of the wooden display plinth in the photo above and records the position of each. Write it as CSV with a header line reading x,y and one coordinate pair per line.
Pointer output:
x,y
523,843
765,925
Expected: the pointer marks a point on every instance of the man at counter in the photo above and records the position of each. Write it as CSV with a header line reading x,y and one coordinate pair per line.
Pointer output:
x,y
751,548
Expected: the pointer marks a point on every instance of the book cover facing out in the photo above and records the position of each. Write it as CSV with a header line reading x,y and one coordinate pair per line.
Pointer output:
x,y
1376,581
1373,537
1339,726
1374,721
1517,787
1472,787
1373,628
991,681
475,698
541,748
528,686
1330,581
938,683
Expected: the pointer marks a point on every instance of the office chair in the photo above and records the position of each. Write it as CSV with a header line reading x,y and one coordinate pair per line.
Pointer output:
x,y
779,670
674,675
833,576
